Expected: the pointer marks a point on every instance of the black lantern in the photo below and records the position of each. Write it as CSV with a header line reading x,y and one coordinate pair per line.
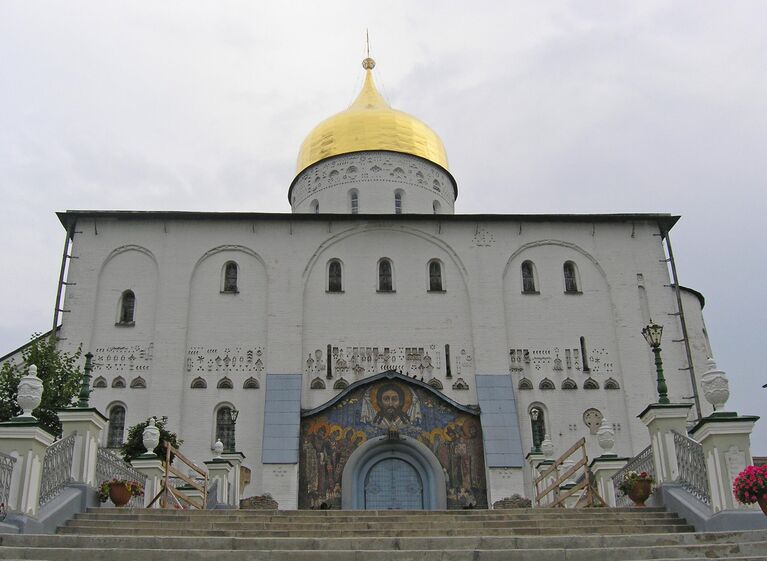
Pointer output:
x,y
652,334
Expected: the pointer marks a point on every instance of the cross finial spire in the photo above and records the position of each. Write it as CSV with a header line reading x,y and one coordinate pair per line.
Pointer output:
x,y
368,63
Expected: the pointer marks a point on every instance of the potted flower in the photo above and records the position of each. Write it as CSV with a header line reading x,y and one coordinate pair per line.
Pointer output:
x,y
750,486
637,485
119,491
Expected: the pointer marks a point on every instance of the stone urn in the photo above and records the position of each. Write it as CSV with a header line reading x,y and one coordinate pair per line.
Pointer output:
x,y
218,449
640,492
716,386
606,436
151,436
30,392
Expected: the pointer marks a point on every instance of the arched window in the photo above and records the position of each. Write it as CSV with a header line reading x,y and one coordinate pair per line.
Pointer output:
x,y
199,384
398,202
100,382
385,276
528,277
127,308
571,277
569,384
435,206
138,383
590,384
525,384
118,382
315,206
341,384
354,201
335,276
225,427
435,276
230,277
317,384
538,426
116,426
225,384
611,384
546,384
251,384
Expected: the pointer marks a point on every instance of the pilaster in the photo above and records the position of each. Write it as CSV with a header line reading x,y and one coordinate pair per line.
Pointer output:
x,y
603,468
219,471
26,441
662,419
86,424
151,466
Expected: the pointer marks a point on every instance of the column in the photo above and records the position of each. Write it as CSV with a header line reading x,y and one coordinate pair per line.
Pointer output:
x,y
151,466
27,441
603,468
661,419
87,425
236,459
219,471
725,438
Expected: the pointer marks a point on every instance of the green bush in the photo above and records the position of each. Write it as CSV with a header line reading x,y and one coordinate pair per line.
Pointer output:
x,y
134,445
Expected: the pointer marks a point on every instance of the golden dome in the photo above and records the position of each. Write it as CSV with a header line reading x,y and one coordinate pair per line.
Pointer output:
x,y
371,124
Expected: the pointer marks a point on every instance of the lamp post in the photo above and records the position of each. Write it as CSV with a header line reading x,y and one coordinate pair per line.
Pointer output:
x,y
652,334
233,414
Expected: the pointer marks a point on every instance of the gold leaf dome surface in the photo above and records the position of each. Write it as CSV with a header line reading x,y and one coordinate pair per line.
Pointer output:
x,y
371,124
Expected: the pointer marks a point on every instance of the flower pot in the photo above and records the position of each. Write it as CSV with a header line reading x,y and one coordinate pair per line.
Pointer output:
x,y
120,495
763,503
640,492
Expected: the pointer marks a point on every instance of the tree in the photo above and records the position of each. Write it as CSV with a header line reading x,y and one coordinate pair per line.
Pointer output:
x,y
61,376
134,444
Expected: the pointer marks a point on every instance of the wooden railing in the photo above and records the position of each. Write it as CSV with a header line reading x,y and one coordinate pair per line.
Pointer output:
x,y
589,496
168,490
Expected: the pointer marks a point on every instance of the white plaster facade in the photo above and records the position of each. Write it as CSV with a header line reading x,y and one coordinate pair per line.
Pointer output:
x,y
282,318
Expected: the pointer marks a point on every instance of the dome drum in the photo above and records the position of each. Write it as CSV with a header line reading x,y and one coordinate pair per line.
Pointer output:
x,y
375,177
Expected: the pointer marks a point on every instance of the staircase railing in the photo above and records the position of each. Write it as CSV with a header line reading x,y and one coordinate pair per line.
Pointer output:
x,y
57,468
585,484
692,467
639,463
109,466
6,472
169,490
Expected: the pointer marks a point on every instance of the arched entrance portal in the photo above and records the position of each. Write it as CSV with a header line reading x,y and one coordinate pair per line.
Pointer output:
x,y
393,474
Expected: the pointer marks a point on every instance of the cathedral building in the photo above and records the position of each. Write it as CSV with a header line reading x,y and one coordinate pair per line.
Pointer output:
x,y
379,350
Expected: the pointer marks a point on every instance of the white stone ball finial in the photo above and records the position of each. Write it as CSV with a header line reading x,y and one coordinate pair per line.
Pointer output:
x,y
606,435
716,386
547,447
218,448
151,436
29,392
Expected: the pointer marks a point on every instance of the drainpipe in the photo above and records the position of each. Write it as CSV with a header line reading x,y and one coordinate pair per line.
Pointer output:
x,y
680,313
65,255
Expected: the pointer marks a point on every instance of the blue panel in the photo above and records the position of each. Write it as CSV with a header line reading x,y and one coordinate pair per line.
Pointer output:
x,y
500,423
282,416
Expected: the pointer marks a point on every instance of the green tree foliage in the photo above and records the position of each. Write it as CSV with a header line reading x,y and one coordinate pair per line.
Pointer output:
x,y
61,376
134,444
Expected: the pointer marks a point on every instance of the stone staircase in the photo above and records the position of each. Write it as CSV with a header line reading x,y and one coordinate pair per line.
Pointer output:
x,y
470,535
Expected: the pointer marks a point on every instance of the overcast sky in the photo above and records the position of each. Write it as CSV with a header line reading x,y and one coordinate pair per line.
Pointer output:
x,y
544,107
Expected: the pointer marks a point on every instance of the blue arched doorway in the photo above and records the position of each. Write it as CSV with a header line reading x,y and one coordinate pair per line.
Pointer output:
x,y
393,474
393,484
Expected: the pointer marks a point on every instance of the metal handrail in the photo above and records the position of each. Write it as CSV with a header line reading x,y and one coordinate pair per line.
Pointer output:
x,y
639,463
693,474
57,468
6,473
109,466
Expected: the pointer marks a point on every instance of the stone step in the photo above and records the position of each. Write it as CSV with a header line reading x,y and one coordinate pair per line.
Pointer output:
x,y
238,524
379,513
410,532
199,542
677,552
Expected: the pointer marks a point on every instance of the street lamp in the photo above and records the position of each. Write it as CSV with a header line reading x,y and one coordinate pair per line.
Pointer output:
x,y
233,414
652,334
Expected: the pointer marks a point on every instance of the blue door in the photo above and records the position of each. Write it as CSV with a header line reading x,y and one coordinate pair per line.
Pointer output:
x,y
393,484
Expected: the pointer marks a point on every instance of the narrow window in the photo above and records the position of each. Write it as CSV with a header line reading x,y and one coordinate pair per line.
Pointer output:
x,y
435,276
315,206
127,307
335,277
384,276
448,373
225,428
584,354
398,203
116,426
571,281
435,206
538,426
528,277
230,277
355,202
